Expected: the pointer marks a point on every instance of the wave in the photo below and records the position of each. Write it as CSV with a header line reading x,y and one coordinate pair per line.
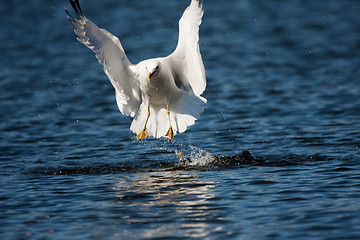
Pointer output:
x,y
196,160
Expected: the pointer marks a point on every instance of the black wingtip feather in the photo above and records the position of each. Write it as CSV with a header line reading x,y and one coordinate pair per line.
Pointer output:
x,y
71,18
76,6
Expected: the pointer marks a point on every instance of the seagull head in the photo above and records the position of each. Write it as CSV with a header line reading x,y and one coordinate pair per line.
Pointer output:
x,y
153,69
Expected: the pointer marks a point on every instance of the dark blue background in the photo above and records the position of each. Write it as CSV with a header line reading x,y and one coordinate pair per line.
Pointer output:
x,y
283,83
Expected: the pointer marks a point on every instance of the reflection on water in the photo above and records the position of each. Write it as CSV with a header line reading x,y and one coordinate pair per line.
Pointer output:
x,y
174,193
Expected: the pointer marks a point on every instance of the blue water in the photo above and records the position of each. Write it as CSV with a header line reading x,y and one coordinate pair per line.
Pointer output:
x,y
275,155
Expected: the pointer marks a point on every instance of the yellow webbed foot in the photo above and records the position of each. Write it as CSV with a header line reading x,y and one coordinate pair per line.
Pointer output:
x,y
170,133
143,134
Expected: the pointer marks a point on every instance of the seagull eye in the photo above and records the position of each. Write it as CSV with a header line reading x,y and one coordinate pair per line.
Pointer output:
x,y
157,67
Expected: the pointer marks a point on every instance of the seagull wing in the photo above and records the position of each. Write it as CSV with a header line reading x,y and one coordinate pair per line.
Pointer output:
x,y
111,55
187,65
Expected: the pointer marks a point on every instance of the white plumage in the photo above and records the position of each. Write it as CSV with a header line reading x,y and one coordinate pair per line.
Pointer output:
x,y
163,95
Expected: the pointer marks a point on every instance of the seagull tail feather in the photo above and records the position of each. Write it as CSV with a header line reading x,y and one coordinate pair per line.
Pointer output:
x,y
186,111
183,113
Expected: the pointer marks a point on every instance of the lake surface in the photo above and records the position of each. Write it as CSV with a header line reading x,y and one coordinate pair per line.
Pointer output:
x,y
275,154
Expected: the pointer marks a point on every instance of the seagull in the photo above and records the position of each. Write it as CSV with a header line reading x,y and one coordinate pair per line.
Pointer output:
x,y
162,95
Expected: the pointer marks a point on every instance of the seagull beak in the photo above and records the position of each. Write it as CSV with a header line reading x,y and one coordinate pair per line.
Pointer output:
x,y
150,75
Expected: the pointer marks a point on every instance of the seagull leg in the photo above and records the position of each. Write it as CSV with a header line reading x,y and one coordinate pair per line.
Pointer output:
x,y
143,134
170,132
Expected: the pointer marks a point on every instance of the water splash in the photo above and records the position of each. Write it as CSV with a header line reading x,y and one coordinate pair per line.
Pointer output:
x,y
197,157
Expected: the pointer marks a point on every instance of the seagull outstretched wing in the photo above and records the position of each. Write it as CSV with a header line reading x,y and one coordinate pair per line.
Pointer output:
x,y
188,67
111,55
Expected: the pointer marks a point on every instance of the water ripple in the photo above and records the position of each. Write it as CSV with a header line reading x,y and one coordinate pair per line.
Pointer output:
x,y
275,155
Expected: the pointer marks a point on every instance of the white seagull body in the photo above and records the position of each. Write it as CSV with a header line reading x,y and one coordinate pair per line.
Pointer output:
x,y
162,95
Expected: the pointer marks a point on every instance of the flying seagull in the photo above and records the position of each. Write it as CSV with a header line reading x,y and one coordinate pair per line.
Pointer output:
x,y
162,95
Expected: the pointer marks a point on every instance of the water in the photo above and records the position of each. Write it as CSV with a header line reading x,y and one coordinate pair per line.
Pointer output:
x,y
275,155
